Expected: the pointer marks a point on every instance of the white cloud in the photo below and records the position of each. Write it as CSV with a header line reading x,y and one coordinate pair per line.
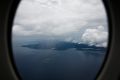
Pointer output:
x,y
62,18
96,36
56,17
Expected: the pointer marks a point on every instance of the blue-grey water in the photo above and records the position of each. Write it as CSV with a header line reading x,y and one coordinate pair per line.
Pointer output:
x,y
48,64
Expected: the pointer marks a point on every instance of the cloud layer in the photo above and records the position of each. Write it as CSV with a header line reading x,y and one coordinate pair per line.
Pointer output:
x,y
66,19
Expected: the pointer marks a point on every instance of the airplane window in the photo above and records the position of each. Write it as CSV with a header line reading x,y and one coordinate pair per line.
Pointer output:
x,y
59,39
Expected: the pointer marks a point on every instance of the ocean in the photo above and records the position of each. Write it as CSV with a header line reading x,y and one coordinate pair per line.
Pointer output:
x,y
49,64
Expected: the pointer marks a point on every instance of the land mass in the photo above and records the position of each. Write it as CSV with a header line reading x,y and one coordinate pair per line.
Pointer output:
x,y
62,45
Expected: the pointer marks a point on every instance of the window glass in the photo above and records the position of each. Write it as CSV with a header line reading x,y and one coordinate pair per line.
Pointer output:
x,y
59,39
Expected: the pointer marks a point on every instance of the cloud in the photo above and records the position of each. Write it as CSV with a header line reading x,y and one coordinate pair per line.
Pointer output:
x,y
56,17
69,20
96,37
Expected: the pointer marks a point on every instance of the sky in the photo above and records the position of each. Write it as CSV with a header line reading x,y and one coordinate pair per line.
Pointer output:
x,y
78,21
